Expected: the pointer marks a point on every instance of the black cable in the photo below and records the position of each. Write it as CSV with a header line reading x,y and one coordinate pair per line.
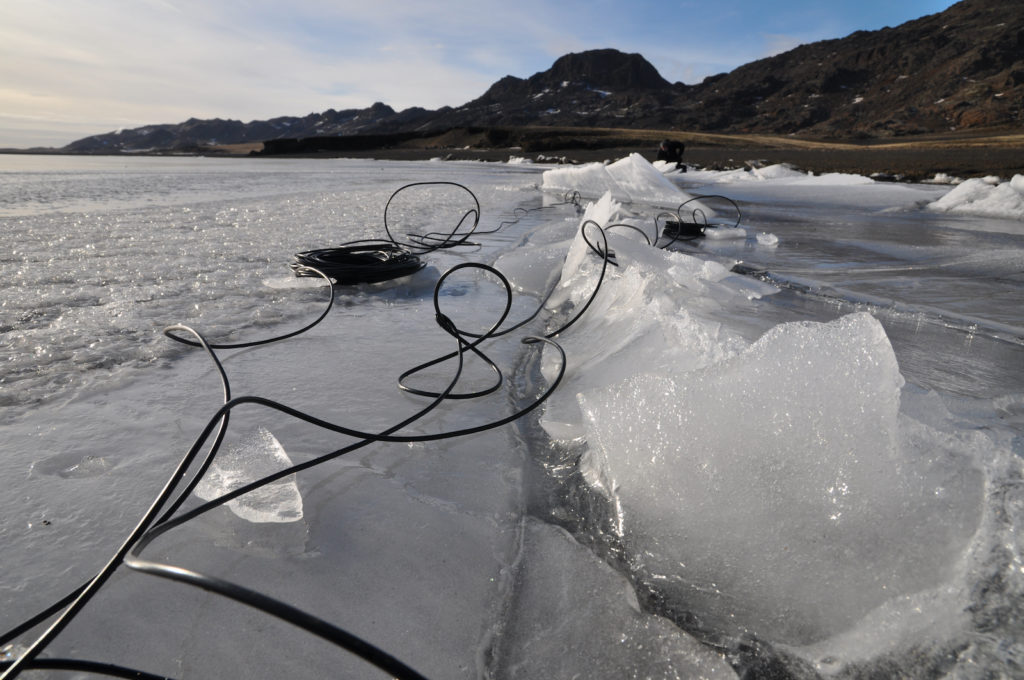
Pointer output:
x,y
34,621
277,338
568,198
324,629
603,252
286,612
370,262
698,211
95,667
470,346
682,230
374,261
572,198
149,528
107,571
426,243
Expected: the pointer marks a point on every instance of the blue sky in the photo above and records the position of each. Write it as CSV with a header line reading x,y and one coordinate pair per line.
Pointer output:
x,y
72,68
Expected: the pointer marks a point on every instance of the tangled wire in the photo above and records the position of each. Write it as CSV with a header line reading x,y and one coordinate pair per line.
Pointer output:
x,y
165,512
354,262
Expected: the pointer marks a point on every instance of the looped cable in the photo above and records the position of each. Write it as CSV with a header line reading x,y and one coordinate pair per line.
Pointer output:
x,y
603,252
310,271
431,241
177,490
449,326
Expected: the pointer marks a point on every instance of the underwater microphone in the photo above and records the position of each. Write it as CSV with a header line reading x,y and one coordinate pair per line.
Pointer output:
x,y
369,262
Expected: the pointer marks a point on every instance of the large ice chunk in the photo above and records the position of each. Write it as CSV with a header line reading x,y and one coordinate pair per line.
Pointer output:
x,y
591,180
647,313
770,492
643,182
630,179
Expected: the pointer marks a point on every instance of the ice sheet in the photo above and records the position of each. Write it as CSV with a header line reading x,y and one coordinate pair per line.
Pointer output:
x,y
574,616
798,493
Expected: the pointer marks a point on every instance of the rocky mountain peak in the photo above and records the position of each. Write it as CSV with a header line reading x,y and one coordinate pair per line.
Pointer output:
x,y
606,69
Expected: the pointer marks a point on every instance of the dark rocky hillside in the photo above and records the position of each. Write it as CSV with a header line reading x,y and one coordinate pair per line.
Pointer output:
x,y
194,134
961,69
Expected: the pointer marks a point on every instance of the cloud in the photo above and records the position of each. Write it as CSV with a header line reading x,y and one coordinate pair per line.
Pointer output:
x,y
127,63
123,64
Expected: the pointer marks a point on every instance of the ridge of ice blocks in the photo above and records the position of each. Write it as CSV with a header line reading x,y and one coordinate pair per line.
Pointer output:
x,y
630,179
985,196
258,455
648,313
779,174
776,492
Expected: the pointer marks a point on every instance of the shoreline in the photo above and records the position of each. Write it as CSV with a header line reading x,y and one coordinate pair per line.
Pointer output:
x,y
887,164
911,159
963,154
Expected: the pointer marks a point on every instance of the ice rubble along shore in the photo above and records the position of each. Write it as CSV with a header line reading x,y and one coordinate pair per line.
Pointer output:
x,y
772,487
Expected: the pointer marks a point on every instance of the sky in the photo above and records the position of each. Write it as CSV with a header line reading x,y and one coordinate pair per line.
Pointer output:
x,y
74,68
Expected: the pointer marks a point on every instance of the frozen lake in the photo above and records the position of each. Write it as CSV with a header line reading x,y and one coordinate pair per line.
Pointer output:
x,y
792,447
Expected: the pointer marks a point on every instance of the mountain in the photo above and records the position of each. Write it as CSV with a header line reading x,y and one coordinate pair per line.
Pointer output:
x,y
194,134
604,88
959,69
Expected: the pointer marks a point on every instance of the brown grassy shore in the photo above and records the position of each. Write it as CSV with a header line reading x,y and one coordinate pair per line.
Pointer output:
x,y
963,154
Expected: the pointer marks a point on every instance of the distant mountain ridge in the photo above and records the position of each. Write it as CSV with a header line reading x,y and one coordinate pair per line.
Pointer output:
x,y
961,68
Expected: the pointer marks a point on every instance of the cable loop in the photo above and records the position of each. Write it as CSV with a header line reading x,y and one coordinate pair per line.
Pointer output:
x,y
434,240
164,514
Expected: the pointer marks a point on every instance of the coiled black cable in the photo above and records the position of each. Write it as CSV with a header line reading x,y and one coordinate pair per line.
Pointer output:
x,y
358,262
680,229
374,261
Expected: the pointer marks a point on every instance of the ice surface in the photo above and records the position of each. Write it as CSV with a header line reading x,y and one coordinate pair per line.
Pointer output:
x,y
723,233
985,196
574,616
256,456
877,528
771,491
